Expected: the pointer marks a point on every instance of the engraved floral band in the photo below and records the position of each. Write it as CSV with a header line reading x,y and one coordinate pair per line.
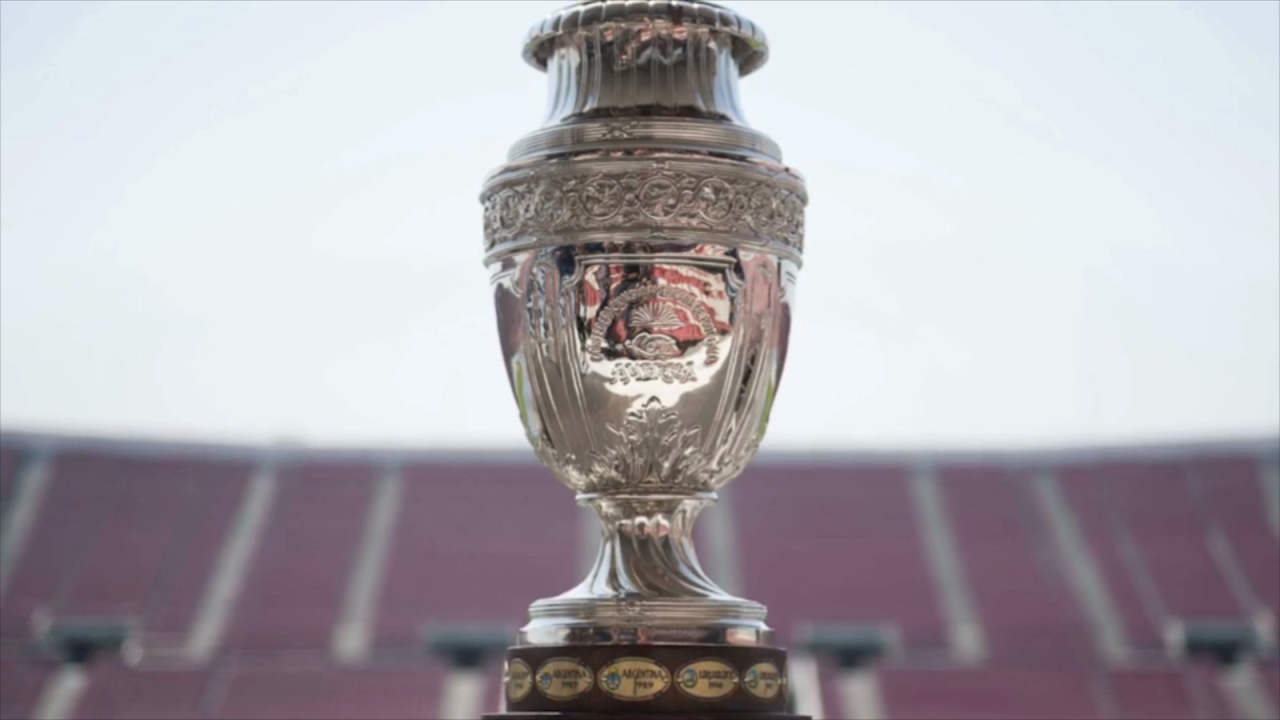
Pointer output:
x,y
684,199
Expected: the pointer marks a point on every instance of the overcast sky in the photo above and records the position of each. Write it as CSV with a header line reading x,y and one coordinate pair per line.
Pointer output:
x,y
1030,224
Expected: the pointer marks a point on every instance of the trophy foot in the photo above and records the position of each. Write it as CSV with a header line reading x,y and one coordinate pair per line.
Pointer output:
x,y
646,585
647,633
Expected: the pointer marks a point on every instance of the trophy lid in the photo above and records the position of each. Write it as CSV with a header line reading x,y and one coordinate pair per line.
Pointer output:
x,y
645,58
750,47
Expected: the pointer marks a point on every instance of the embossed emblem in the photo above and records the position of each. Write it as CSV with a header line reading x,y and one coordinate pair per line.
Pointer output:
x,y
763,680
655,316
709,679
647,342
634,679
647,321
645,346
518,677
564,678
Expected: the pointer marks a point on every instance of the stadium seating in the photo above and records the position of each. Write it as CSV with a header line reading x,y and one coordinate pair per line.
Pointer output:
x,y
299,576
9,462
990,694
457,555
21,680
1230,494
1154,501
116,692
149,533
1019,589
232,691
1271,677
1088,502
847,536
124,537
372,692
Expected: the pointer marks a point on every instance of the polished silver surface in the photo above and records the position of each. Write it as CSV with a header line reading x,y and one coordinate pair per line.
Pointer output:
x,y
641,133
643,247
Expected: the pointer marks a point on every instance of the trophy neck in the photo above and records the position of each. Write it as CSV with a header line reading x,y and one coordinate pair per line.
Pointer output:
x,y
646,584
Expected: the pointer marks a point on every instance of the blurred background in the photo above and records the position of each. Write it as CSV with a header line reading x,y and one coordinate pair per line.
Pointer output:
x,y
258,456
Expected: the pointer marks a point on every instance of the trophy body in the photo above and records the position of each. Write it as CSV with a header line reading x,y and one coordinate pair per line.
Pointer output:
x,y
643,247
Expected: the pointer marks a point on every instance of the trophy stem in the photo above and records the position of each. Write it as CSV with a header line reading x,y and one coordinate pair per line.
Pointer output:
x,y
646,584
646,548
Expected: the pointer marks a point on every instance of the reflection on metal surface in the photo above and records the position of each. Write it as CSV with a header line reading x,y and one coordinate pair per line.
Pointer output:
x,y
643,247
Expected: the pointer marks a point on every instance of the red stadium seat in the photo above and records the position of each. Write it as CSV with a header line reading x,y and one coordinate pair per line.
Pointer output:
x,y
129,535
299,574
124,537
1090,505
835,543
1154,502
22,679
1018,587
371,692
989,694
116,692
10,463
466,538
1233,496
1168,694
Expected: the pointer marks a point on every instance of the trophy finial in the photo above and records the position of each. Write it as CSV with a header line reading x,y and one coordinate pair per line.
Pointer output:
x,y
750,47
645,57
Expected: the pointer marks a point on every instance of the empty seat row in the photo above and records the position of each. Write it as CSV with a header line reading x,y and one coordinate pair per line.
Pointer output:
x,y
147,537
308,687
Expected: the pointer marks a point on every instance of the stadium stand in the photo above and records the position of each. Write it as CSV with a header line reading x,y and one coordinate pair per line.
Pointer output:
x,y
20,683
791,522
8,473
294,590
1226,492
287,582
473,568
1020,593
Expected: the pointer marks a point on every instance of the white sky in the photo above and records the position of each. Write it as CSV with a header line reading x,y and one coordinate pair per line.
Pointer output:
x,y
1030,224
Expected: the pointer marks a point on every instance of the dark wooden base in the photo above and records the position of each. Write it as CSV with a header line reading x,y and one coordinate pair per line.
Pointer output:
x,y
638,682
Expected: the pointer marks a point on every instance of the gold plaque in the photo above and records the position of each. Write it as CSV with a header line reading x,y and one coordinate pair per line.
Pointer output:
x,y
634,678
709,679
518,677
763,680
563,678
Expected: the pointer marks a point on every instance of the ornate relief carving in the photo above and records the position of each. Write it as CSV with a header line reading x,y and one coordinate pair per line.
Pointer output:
x,y
652,448
654,199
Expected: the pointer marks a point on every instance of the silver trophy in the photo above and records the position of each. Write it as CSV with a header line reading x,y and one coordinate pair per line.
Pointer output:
x,y
643,246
